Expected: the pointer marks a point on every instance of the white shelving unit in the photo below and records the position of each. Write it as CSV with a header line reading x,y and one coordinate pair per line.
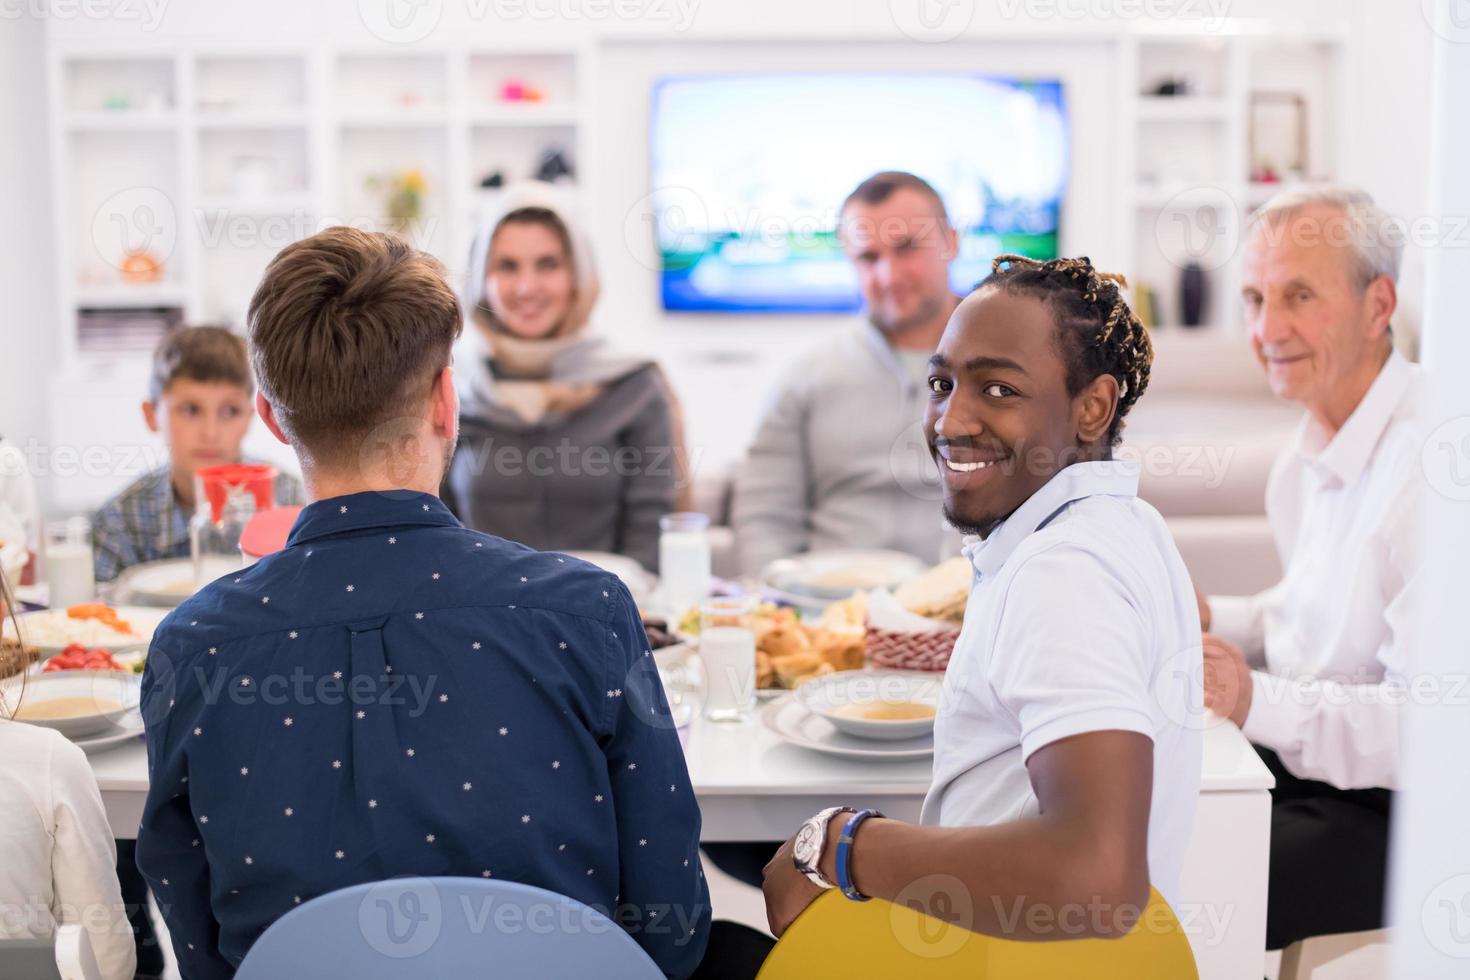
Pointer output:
x,y
210,159
1187,155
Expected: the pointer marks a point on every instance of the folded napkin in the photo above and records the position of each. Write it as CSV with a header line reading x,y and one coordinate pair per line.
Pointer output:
x,y
885,612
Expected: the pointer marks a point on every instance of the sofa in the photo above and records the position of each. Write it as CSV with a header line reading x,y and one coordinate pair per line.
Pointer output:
x,y
1205,435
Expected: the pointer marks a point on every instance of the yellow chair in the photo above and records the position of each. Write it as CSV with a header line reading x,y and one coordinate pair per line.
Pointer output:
x,y
838,938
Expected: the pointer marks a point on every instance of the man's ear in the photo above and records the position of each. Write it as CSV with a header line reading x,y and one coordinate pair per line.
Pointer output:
x,y
1096,406
150,416
268,416
951,242
1382,298
445,398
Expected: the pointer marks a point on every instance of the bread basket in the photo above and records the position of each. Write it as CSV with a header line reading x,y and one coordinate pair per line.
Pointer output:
x,y
901,650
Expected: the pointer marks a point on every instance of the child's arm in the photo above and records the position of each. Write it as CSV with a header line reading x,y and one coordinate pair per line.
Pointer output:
x,y
114,548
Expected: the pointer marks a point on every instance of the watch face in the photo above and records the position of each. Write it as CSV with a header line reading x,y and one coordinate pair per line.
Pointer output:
x,y
804,850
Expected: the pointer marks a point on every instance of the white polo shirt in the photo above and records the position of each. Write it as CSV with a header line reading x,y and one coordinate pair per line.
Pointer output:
x,y
1081,618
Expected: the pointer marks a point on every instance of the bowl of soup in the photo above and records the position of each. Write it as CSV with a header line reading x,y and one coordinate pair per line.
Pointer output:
x,y
78,703
886,704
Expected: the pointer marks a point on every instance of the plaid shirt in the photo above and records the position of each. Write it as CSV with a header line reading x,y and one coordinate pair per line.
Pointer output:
x,y
146,522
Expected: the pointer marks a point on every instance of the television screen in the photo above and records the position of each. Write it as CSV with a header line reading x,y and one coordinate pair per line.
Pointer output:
x,y
750,169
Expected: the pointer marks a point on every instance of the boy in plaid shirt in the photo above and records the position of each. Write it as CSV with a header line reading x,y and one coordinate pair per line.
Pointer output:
x,y
200,399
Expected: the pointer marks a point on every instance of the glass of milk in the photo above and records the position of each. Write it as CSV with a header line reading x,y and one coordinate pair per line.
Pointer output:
x,y
683,561
727,648
69,562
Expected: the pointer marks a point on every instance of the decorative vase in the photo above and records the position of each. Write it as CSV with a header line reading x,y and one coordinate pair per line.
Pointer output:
x,y
1192,294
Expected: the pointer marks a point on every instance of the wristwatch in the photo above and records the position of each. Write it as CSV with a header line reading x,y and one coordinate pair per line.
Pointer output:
x,y
806,850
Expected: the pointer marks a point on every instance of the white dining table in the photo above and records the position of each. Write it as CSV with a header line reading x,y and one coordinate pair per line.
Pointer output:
x,y
753,786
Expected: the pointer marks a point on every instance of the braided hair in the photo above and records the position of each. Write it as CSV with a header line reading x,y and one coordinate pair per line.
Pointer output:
x,y
1096,331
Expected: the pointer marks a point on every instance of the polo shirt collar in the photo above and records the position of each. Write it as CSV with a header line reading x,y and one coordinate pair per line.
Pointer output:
x,y
361,511
1113,477
1347,453
882,350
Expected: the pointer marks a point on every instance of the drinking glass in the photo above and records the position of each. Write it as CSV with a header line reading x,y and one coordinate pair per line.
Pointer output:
x,y
727,648
69,568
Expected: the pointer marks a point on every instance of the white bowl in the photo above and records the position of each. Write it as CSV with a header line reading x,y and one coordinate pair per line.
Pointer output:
x,y
169,581
817,578
832,695
111,694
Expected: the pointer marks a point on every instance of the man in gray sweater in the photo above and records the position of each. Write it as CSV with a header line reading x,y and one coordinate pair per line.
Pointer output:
x,y
839,458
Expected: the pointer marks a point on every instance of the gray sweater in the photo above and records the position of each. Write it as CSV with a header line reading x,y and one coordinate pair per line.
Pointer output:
x,y
840,459
597,479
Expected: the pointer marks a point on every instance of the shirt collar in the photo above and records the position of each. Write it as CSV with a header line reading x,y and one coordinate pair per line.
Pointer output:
x,y
882,349
376,508
1112,477
1346,454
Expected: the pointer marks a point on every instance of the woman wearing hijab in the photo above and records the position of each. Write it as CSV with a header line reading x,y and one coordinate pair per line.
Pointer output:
x,y
564,443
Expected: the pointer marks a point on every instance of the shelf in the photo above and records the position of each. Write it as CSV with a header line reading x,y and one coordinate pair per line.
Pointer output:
x,y
125,296
524,114
481,198
1257,194
265,117
390,118
274,204
1153,197
120,120
1186,108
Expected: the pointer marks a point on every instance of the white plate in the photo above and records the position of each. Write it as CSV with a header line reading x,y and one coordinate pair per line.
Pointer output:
x,y
793,723
125,729
168,582
108,686
816,578
824,695
143,619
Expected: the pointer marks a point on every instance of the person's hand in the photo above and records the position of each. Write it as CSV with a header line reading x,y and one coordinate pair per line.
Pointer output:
x,y
1227,680
1204,611
787,891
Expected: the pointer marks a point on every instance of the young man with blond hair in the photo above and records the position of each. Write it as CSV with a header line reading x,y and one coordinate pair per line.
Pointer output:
x,y
394,694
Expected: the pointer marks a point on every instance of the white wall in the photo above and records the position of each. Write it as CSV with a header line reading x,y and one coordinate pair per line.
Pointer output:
x,y
27,310
1430,897
721,362
1387,135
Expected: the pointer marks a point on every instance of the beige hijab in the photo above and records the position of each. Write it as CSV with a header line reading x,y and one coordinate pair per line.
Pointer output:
x,y
561,372
519,381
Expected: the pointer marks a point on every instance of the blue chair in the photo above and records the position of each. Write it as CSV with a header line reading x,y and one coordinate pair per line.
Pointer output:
x,y
433,928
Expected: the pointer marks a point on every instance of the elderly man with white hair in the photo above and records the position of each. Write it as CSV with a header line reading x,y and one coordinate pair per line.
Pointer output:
x,y
1312,669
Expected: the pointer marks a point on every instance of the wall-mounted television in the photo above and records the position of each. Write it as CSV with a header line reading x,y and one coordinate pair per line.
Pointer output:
x,y
748,171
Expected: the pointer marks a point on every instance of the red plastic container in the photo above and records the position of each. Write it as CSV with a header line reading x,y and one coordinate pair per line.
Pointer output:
x,y
217,481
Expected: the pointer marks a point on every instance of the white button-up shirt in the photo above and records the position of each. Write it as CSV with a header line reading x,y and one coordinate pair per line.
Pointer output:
x,y
1081,618
56,848
1330,640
